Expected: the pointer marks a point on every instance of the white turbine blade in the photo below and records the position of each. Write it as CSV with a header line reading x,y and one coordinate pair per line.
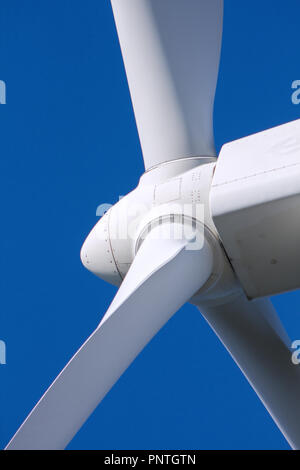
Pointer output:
x,y
163,276
252,333
171,50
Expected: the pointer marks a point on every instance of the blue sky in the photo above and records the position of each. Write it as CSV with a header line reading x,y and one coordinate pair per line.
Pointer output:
x,y
69,143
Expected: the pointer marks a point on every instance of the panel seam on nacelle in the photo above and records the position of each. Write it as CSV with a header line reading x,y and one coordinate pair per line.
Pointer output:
x,y
255,174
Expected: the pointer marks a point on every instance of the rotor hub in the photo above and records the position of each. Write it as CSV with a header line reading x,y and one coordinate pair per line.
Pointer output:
x,y
174,196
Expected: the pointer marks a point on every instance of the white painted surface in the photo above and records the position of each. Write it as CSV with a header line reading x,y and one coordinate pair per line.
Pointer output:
x,y
255,204
171,51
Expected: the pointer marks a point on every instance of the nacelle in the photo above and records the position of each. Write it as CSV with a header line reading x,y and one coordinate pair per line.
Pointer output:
x,y
255,203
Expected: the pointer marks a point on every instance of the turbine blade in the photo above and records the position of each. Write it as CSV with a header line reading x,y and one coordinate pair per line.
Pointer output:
x,y
252,333
171,51
163,276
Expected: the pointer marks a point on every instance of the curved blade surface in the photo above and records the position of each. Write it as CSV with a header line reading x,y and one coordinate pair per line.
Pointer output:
x,y
163,276
171,51
252,333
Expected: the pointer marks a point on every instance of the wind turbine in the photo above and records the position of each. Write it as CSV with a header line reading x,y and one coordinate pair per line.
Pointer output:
x,y
220,234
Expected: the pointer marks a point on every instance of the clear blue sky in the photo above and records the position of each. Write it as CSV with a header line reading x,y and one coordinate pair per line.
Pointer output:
x,y
68,144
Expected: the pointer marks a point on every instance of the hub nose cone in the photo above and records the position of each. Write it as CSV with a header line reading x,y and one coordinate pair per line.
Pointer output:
x,y
96,254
